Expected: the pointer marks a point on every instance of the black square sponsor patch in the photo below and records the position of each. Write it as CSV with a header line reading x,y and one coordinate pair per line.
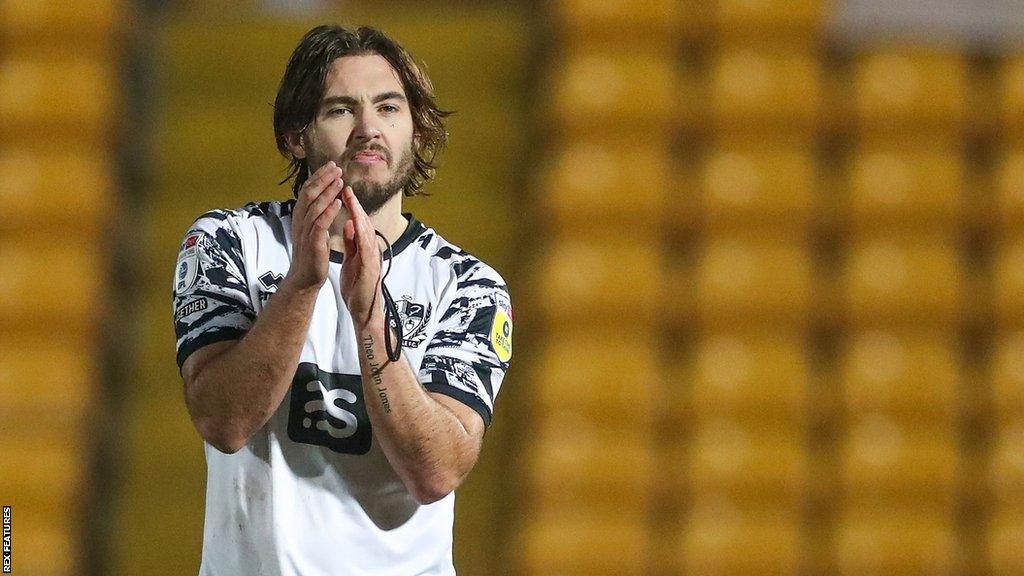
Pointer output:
x,y
328,410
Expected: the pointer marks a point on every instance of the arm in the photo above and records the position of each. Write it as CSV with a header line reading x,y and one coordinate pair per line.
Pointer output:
x,y
233,388
431,440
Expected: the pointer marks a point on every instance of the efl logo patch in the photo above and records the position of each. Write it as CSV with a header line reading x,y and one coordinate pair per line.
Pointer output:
x,y
187,268
501,335
328,410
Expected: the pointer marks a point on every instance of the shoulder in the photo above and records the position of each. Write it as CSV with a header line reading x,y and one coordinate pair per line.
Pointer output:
x,y
473,287
467,270
230,217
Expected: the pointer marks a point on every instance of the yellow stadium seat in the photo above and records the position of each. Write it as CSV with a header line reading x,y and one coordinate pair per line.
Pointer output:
x,y
910,376
58,100
753,281
583,368
744,185
899,279
55,191
41,547
594,281
1008,376
897,542
771,19
1006,466
578,542
594,91
1005,539
758,89
1008,280
584,21
47,284
748,462
46,475
29,387
885,462
721,539
81,23
579,464
904,186
614,181
760,375
1009,189
1011,94
907,89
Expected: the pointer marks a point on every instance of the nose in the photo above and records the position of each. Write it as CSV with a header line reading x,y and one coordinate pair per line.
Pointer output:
x,y
367,126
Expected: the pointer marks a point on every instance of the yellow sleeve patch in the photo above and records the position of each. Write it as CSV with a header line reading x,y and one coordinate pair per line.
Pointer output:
x,y
501,335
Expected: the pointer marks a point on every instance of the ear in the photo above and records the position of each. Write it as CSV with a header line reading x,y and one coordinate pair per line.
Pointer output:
x,y
293,140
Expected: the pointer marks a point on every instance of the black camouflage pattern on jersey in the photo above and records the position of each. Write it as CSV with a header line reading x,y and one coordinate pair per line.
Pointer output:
x,y
460,360
218,306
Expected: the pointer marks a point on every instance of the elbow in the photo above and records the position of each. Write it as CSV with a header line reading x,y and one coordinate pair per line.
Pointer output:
x,y
221,437
431,488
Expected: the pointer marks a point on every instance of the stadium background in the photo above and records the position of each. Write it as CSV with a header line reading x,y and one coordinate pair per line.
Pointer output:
x,y
766,257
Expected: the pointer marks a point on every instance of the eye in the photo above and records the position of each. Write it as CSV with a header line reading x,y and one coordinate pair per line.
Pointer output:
x,y
338,111
389,108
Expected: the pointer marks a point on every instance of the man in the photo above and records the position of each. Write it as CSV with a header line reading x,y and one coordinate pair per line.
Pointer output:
x,y
337,427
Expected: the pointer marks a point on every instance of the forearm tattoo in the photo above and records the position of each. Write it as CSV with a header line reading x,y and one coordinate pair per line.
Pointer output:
x,y
375,373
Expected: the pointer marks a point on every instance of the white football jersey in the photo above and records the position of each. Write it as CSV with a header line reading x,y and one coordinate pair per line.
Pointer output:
x,y
311,493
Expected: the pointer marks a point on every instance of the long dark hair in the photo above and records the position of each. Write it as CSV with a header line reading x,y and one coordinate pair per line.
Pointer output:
x,y
303,85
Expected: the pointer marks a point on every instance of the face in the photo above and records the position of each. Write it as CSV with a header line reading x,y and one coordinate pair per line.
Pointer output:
x,y
364,124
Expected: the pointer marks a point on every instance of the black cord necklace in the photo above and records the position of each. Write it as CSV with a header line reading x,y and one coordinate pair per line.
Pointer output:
x,y
392,321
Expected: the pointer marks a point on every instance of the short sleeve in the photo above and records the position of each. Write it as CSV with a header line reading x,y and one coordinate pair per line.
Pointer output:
x,y
211,297
469,354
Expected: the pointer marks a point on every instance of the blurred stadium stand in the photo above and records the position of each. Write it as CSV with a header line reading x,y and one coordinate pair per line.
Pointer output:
x,y
767,258
59,100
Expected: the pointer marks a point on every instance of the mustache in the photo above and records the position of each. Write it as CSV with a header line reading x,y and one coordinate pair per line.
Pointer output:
x,y
371,148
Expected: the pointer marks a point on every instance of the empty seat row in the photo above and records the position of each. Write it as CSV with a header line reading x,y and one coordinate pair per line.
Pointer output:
x,y
737,184
579,20
746,89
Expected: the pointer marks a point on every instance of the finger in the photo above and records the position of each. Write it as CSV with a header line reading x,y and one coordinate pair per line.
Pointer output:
x,y
311,191
349,238
316,183
364,231
322,224
302,198
329,194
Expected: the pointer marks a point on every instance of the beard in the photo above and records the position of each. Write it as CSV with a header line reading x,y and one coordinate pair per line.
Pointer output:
x,y
373,195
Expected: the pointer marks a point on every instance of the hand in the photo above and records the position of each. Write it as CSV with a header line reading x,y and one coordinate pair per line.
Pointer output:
x,y
360,274
316,208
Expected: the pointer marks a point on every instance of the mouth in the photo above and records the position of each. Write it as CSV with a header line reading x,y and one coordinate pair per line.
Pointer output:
x,y
368,157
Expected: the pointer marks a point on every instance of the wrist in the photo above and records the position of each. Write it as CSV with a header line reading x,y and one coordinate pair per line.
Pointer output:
x,y
372,327
291,286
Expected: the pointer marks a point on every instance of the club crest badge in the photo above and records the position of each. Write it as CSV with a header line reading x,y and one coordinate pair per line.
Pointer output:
x,y
414,321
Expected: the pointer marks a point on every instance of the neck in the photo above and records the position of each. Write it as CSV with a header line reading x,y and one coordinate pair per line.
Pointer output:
x,y
388,221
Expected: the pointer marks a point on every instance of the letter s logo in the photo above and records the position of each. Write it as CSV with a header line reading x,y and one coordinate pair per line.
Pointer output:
x,y
328,409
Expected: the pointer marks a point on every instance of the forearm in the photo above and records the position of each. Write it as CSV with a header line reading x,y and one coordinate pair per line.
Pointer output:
x,y
424,441
238,391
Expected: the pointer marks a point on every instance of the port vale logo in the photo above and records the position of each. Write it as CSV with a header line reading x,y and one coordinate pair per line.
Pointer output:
x,y
414,321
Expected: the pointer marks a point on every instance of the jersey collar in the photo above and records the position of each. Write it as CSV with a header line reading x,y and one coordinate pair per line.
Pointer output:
x,y
412,231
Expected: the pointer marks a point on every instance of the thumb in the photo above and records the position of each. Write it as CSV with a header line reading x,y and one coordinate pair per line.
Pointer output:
x,y
350,239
